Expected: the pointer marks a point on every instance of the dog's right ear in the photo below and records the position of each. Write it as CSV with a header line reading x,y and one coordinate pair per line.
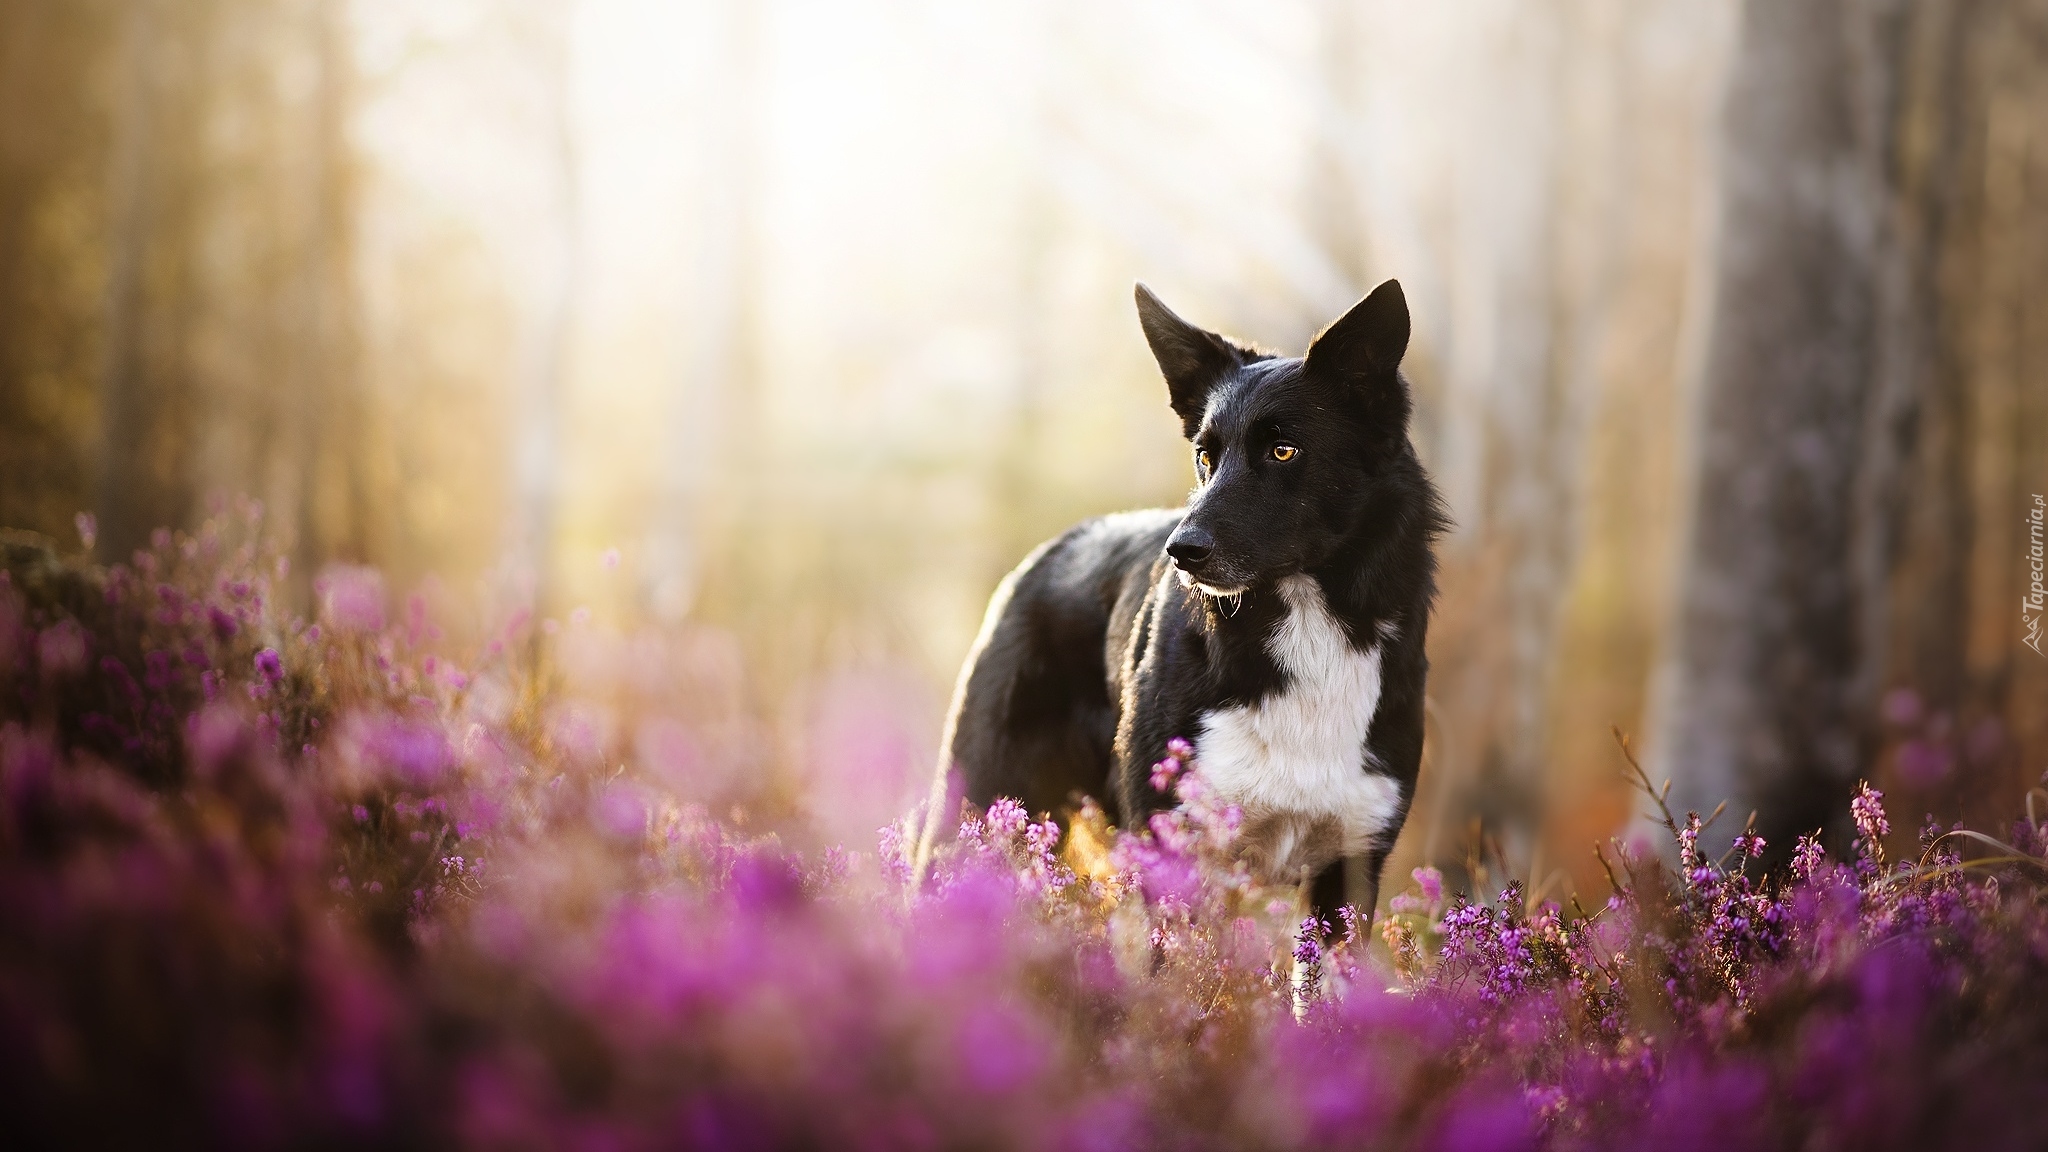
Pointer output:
x,y
1363,350
1192,358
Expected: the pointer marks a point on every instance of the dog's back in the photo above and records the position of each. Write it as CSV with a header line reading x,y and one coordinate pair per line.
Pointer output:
x,y
1035,712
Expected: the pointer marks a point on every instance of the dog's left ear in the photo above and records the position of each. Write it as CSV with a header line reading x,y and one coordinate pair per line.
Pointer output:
x,y
1363,350
1192,359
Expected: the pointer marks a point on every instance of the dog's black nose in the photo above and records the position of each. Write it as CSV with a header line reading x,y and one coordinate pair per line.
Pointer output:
x,y
1189,547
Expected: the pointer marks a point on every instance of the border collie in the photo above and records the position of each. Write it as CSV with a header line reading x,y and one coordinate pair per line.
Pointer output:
x,y
1277,622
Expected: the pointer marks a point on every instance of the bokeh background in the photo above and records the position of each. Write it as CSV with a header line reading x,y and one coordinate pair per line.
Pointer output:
x,y
749,343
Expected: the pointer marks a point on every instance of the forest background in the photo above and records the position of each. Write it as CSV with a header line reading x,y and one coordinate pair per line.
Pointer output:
x,y
782,329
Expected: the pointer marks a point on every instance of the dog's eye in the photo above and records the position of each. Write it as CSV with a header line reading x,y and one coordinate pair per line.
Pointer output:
x,y
1202,460
1285,452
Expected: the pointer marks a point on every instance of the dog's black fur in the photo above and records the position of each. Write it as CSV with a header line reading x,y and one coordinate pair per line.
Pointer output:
x,y
1118,635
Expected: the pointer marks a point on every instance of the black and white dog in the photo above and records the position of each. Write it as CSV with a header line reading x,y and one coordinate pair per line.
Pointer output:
x,y
1276,622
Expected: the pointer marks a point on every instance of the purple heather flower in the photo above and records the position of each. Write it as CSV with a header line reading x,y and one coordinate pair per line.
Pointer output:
x,y
1431,882
1170,830
157,671
999,1050
1689,844
1986,739
973,832
1901,707
1807,857
620,810
61,649
1866,809
764,880
351,598
415,753
1930,831
1308,942
1924,763
895,850
755,1000
215,736
667,749
1006,818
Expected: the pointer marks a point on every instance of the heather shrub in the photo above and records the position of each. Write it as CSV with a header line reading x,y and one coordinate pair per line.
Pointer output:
x,y
271,881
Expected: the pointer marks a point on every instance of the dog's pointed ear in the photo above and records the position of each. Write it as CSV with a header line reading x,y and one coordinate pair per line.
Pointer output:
x,y
1191,358
1364,347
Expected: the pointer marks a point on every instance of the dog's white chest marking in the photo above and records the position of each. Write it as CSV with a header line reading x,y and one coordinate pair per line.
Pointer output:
x,y
1296,761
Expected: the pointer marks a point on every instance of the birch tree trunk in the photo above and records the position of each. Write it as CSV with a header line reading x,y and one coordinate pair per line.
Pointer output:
x,y
117,498
326,420
712,405
543,365
1508,429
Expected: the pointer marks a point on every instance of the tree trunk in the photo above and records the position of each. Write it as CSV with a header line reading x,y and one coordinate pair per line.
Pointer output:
x,y
714,431
1775,654
544,362
326,420
118,499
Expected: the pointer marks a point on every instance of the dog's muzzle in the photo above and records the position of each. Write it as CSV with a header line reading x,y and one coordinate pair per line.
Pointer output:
x,y
1190,548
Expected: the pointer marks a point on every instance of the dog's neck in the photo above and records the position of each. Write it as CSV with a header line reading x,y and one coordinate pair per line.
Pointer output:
x,y
1346,582
1355,577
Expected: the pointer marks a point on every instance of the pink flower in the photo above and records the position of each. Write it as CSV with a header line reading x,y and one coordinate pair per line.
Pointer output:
x,y
1867,810
351,598
1006,818
61,649
1431,882
620,810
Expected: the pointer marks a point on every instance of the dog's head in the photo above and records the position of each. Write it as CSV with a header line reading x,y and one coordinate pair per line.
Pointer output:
x,y
1287,450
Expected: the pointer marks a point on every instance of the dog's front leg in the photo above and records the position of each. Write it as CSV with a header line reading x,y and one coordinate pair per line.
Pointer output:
x,y
1352,880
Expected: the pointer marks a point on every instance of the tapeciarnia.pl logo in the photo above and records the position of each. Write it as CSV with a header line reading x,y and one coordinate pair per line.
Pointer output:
x,y
2036,598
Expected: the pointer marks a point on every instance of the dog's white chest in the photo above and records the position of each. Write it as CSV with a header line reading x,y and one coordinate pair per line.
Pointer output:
x,y
1296,761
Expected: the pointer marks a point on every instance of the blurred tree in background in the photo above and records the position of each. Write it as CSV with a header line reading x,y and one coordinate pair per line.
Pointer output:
x,y
179,268
1871,413
52,245
1728,346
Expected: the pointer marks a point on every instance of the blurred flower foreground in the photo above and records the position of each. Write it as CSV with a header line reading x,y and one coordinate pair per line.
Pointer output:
x,y
272,882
